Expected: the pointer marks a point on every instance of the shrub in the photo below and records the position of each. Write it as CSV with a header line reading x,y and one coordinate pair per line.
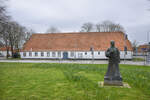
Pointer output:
x,y
16,55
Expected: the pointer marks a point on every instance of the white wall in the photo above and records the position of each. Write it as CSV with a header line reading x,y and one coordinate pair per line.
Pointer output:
x,y
77,55
88,55
4,53
39,55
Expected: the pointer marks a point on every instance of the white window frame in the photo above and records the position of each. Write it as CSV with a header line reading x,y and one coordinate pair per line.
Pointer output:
x,y
59,54
80,55
72,54
53,54
48,54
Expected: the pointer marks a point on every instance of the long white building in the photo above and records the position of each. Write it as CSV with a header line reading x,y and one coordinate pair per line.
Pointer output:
x,y
82,45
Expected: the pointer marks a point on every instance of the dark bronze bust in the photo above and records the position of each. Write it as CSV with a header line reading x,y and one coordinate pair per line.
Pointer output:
x,y
113,76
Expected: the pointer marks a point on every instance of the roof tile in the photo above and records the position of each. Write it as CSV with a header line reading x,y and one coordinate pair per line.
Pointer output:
x,y
81,41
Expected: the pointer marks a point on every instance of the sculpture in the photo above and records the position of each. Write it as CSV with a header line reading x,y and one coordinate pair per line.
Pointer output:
x,y
113,76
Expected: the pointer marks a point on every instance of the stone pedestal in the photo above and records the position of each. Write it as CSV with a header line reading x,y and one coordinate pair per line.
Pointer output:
x,y
123,85
114,81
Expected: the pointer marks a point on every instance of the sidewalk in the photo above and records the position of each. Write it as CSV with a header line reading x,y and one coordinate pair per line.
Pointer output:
x,y
73,61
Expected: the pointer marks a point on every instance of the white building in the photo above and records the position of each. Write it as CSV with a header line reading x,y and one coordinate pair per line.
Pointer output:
x,y
74,45
3,52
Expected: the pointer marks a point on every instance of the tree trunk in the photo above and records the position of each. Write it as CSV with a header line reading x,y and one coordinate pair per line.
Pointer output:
x,y
12,50
7,52
7,48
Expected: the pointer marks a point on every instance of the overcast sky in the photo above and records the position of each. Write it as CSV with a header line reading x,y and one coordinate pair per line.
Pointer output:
x,y
69,15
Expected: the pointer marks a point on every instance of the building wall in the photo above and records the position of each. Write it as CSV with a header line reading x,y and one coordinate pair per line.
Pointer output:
x,y
4,53
73,55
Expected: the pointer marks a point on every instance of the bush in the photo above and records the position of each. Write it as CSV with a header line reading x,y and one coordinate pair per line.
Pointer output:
x,y
16,55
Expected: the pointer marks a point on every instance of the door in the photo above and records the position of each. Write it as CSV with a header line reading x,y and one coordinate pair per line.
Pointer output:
x,y
65,55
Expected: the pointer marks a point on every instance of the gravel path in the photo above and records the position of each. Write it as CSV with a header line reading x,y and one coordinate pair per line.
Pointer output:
x,y
74,61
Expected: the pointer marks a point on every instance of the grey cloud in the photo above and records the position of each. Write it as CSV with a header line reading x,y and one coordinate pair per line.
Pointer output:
x,y
68,15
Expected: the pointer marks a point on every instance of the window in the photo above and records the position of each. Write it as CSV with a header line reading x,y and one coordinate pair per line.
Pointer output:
x,y
42,54
36,53
80,55
85,53
30,54
98,53
53,54
59,54
72,54
92,53
126,52
24,54
48,54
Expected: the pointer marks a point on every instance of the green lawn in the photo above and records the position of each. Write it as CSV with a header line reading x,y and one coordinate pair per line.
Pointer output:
x,y
39,81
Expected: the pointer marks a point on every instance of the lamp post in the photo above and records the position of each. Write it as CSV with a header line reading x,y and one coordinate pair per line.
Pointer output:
x,y
125,46
147,37
148,50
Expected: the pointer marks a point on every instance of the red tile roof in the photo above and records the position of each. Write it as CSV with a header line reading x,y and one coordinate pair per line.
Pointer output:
x,y
4,48
81,41
144,46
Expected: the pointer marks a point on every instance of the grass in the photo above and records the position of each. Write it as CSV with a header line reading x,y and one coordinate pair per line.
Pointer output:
x,y
138,59
41,81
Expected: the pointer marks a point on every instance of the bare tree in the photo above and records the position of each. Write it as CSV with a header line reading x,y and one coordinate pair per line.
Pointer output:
x,y
28,34
87,27
108,26
105,26
11,33
4,26
52,29
2,9
5,36
3,16
16,36
134,45
1,44
98,27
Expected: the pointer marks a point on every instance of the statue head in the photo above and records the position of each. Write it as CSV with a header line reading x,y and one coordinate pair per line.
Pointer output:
x,y
112,43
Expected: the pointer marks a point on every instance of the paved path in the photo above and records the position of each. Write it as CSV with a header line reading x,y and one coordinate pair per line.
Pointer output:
x,y
73,61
